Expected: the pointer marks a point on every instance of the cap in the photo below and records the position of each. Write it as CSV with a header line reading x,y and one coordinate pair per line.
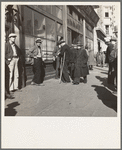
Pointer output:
x,y
38,40
12,35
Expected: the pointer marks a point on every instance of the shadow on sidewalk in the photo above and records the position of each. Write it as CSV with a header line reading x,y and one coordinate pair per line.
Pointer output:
x,y
106,96
104,82
10,111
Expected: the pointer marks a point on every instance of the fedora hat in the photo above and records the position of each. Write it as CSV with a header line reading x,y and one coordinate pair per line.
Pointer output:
x,y
79,44
12,35
39,40
60,42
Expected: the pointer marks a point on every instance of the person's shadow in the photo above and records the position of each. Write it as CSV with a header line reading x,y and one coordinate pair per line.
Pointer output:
x,y
106,96
104,82
10,111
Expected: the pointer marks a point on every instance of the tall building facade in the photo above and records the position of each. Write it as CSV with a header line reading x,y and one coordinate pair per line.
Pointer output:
x,y
105,26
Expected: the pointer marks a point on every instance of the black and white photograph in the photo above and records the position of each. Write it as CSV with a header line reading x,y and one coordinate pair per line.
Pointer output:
x,y
60,67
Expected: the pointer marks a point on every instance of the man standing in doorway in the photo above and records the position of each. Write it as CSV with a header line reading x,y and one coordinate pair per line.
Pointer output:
x,y
12,56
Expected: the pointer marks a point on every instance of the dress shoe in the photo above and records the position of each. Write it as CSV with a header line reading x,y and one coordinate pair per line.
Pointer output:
x,y
32,83
9,96
85,81
41,84
75,83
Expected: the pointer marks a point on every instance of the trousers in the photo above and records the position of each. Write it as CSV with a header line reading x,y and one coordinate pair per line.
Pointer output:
x,y
14,74
38,70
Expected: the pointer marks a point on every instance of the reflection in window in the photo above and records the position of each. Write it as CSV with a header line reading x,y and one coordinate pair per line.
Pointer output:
x,y
50,26
39,25
50,48
48,8
54,10
42,7
58,13
59,28
28,20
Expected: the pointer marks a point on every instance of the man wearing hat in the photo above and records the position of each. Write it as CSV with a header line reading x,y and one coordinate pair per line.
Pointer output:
x,y
38,66
12,57
81,68
56,53
65,53
111,55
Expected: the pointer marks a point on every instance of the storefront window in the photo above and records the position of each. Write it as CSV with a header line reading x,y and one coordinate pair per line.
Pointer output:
x,y
43,47
42,7
50,48
29,42
48,8
59,13
54,10
28,21
59,28
39,25
50,26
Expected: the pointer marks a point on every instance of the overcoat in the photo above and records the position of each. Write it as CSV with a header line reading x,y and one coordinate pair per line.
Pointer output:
x,y
91,57
65,73
81,68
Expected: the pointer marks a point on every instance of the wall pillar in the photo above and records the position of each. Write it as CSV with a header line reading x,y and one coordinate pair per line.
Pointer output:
x,y
65,23
84,32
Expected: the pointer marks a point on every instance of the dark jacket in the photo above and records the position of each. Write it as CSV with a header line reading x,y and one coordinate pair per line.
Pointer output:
x,y
65,49
110,53
9,52
81,68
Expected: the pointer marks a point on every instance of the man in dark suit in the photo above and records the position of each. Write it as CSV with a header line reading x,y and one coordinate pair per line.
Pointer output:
x,y
111,55
12,56
81,68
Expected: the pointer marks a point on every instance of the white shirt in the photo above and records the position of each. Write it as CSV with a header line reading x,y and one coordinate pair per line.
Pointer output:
x,y
14,50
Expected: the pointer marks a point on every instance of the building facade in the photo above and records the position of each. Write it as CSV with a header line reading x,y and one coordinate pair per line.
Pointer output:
x,y
50,22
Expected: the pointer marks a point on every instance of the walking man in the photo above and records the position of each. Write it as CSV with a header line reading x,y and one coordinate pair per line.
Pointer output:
x,y
81,66
38,66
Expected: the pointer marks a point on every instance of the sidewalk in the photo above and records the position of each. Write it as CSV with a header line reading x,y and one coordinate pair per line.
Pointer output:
x,y
84,100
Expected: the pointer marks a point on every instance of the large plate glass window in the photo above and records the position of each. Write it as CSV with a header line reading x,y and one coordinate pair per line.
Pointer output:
x,y
59,12
28,21
50,26
59,28
39,25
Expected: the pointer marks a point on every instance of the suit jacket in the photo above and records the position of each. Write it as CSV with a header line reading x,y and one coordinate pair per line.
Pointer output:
x,y
9,52
110,53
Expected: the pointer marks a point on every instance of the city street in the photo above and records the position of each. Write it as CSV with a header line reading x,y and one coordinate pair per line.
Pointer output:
x,y
95,98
